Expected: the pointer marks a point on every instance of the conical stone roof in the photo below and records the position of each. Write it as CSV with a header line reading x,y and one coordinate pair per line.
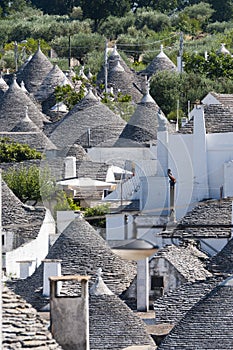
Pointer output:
x,y
54,78
82,251
12,108
159,63
142,126
208,325
112,324
25,124
123,81
89,123
130,77
35,71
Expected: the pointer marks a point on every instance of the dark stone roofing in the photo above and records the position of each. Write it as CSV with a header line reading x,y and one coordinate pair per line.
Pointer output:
x,y
35,71
78,152
142,126
223,261
113,326
225,99
36,140
187,259
22,327
82,251
123,81
218,119
207,326
24,221
94,170
25,125
159,63
91,114
12,108
174,304
210,212
54,78
84,168
117,70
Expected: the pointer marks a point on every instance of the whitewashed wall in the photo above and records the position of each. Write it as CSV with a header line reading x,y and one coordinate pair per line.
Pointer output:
x,y
36,250
220,151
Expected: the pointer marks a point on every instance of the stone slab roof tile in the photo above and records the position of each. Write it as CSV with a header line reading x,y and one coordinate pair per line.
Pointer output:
x,y
142,126
53,79
36,140
82,251
113,326
35,71
173,305
24,221
187,259
207,325
12,108
159,63
218,119
22,327
89,123
209,212
223,261
225,99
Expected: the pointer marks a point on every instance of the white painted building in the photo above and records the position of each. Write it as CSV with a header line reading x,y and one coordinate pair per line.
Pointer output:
x,y
22,261
201,162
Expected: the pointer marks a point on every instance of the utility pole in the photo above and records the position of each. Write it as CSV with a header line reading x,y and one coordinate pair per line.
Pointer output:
x,y
180,55
177,115
1,257
16,55
69,54
106,67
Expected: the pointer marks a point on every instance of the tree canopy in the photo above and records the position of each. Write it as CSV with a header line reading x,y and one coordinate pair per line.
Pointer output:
x,y
11,151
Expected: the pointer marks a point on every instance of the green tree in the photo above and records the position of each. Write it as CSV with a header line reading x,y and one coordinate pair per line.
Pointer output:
x,y
193,19
169,87
159,5
69,95
58,7
24,182
9,7
154,20
91,214
81,44
223,10
11,151
216,66
35,184
99,10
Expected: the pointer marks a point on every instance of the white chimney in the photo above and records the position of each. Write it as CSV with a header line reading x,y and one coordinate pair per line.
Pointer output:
x,y
70,167
143,285
26,268
52,267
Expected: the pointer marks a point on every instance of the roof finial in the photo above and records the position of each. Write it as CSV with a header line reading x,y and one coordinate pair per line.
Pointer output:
x,y
162,121
39,44
99,287
161,48
23,86
26,117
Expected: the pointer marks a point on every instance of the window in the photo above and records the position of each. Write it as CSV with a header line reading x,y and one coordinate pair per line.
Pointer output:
x,y
156,282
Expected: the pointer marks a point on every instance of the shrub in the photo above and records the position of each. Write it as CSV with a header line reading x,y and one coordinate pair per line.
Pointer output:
x,y
11,151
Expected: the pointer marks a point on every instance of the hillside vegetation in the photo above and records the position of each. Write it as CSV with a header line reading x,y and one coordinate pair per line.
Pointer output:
x,y
80,29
